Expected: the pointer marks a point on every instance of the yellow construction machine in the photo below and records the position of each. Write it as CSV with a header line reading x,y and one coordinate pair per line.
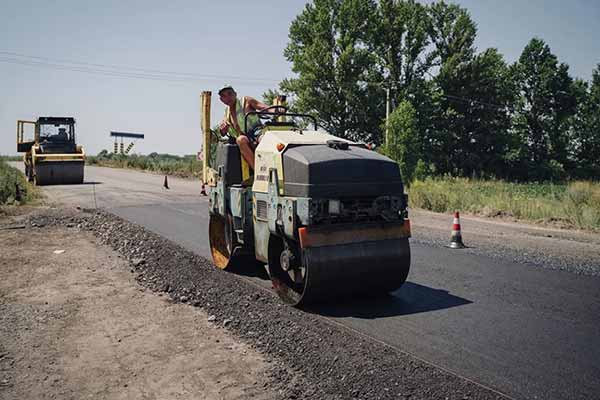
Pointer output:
x,y
326,216
51,156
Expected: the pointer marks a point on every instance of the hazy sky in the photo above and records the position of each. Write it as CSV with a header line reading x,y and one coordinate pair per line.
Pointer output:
x,y
212,41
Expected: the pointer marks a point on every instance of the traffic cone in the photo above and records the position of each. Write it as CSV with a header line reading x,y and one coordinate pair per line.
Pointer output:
x,y
456,239
166,184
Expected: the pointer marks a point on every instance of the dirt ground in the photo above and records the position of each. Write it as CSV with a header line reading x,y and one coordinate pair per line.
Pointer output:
x,y
76,325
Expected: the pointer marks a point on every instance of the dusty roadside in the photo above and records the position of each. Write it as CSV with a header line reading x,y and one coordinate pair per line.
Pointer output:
x,y
76,325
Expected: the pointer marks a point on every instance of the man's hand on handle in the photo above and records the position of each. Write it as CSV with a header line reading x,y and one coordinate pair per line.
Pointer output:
x,y
223,128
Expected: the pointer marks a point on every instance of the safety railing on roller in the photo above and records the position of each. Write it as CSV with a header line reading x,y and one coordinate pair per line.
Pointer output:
x,y
274,116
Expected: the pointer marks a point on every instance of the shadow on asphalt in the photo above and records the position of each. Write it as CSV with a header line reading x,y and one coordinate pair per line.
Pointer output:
x,y
411,298
250,268
91,183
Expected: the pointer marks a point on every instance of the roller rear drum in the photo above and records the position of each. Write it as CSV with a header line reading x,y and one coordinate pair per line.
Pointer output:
x,y
58,172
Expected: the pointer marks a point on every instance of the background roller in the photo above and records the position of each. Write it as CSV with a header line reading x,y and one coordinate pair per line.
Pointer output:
x,y
52,156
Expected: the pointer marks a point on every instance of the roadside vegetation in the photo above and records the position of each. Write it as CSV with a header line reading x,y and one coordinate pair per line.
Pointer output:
x,y
464,122
11,158
184,166
569,205
14,188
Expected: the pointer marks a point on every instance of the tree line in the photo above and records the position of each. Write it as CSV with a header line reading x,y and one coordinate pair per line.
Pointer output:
x,y
455,110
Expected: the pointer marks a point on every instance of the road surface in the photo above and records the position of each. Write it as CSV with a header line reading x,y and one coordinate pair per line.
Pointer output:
x,y
529,331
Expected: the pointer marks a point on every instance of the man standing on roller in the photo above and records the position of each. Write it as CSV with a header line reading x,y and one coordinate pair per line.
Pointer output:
x,y
233,122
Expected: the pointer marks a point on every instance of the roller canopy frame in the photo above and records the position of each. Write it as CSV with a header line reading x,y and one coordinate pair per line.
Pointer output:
x,y
276,114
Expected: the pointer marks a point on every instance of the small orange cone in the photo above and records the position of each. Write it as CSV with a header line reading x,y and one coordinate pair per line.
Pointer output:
x,y
166,184
456,239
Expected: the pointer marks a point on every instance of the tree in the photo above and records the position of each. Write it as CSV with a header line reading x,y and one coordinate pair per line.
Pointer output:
x,y
546,103
404,140
452,32
328,51
477,97
399,40
446,48
469,121
585,134
473,114
347,52
269,96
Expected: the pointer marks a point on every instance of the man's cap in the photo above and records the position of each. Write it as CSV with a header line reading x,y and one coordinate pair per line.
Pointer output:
x,y
225,87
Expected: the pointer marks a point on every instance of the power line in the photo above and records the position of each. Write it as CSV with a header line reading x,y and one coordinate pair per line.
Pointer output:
x,y
470,101
123,71
90,71
144,70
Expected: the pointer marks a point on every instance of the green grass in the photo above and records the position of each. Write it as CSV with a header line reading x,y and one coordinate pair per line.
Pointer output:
x,y
573,205
10,178
183,166
11,158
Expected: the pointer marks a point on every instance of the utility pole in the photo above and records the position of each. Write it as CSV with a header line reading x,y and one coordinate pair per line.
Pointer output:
x,y
387,116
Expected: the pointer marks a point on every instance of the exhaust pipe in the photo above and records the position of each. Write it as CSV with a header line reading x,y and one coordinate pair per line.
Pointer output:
x,y
205,125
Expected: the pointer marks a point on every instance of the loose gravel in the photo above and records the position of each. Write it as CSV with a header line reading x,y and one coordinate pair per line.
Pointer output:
x,y
536,258
570,251
311,358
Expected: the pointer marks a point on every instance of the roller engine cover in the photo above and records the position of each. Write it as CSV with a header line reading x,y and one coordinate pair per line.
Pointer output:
x,y
327,171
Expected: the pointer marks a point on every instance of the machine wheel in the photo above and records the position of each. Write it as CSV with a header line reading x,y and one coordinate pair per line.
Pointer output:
x,y
36,181
330,273
287,270
223,245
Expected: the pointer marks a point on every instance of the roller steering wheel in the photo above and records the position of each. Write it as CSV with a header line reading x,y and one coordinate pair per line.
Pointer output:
x,y
263,114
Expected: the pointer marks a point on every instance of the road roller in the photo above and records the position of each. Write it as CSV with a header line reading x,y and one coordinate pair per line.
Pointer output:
x,y
326,217
51,155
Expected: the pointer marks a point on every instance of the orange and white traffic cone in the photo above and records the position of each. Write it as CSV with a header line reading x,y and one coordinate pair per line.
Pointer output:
x,y
456,239
166,183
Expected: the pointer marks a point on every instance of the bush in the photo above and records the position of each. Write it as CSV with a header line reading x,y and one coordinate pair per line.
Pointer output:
x,y
10,179
573,205
423,171
184,166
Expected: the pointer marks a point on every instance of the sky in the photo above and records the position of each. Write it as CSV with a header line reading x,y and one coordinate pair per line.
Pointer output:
x,y
202,45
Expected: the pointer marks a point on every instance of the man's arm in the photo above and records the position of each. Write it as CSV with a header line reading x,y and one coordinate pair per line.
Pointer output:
x,y
254,104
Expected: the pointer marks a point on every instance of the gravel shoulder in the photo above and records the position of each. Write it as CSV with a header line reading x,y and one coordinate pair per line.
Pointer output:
x,y
559,249
77,325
